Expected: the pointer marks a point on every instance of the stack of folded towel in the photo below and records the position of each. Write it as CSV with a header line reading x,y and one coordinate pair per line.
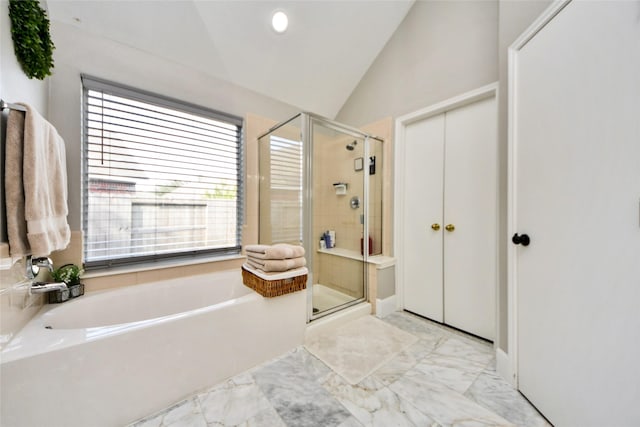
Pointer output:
x,y
275,258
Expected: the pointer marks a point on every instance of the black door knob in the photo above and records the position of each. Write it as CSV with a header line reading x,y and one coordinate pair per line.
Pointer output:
x,y
521,240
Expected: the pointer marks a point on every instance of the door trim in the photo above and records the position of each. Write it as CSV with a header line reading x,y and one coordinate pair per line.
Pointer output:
x,y
484,92
512,169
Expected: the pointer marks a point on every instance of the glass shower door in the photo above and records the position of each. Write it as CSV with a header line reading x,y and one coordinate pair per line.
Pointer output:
x,y
337,215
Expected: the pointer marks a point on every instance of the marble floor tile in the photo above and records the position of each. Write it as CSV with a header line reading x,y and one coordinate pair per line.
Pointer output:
x,y
407,359
351,422
267,418
304,360
297,395
494,393
449,372
417,326
473,353
235,402
446,406
467,348
373,404
183,414
428,329
455,364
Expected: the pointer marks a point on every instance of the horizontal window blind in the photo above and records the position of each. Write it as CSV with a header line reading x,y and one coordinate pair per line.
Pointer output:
x,y
161,178
286,190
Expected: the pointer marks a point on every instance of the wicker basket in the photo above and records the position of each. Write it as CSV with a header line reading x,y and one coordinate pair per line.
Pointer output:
x,y
273,288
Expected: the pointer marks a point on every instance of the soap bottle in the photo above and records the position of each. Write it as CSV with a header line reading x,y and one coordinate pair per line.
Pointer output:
x,y
327,240
323,244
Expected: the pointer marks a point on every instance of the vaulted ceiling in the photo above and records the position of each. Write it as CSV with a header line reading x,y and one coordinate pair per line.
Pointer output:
x,y
314,65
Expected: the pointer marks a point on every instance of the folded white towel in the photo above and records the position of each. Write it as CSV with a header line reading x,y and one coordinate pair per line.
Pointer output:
x,y
278,251
276,265
36,186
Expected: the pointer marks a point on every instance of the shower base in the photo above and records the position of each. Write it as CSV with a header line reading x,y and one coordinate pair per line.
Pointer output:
x,y
325,298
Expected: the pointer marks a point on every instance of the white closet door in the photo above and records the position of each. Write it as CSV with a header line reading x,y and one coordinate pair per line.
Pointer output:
x,y
422,246
577,139
470,206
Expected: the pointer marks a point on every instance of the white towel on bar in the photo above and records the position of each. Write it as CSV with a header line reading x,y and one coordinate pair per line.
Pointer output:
x,y
35,186
278,251
14,189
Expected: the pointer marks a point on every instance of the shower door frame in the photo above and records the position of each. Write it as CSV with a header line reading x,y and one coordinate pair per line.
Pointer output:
x,y
307,120
309,240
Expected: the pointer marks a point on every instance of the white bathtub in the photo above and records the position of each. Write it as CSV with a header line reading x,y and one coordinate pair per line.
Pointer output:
x,y
109,358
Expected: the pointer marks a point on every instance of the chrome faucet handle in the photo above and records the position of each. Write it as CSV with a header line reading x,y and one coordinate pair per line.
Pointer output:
x,y
34,265
43,262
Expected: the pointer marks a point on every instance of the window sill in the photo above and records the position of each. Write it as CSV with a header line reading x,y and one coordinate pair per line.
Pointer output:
x,y
159,265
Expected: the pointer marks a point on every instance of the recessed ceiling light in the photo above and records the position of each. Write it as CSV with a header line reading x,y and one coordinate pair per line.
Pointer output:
x,y
279,22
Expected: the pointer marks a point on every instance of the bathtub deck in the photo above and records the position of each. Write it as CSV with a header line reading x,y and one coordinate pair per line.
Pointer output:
x,y
444,378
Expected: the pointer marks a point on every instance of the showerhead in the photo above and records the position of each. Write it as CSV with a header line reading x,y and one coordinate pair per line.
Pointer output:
x,y
351,145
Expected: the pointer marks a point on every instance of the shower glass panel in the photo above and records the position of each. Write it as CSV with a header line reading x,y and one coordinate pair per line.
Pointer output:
x,y
281,185
315,179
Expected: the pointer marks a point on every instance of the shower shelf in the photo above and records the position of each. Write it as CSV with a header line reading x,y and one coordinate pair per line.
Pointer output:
x,y
347,253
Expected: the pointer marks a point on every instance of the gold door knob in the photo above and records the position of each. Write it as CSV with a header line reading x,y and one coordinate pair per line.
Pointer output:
x,y
435,227
450,227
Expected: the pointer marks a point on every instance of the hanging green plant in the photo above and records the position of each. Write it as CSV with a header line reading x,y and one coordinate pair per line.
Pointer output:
x,y
31,40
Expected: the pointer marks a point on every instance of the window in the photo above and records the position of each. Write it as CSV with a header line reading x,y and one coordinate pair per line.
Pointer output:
x,y
162,178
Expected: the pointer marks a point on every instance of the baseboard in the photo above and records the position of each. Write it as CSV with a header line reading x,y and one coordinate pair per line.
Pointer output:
x,y
504,368
386,306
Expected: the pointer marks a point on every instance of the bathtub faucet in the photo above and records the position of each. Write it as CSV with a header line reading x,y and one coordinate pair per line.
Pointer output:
x,y
33,268
42,287
34,265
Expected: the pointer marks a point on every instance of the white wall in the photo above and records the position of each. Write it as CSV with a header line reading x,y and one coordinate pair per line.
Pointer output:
x,y
440,50
80,52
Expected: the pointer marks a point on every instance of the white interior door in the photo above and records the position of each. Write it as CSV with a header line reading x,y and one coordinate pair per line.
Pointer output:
x,y
422,245
470,188
577,184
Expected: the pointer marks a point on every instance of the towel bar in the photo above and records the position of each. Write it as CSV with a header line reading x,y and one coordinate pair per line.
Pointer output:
x,y
4,104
